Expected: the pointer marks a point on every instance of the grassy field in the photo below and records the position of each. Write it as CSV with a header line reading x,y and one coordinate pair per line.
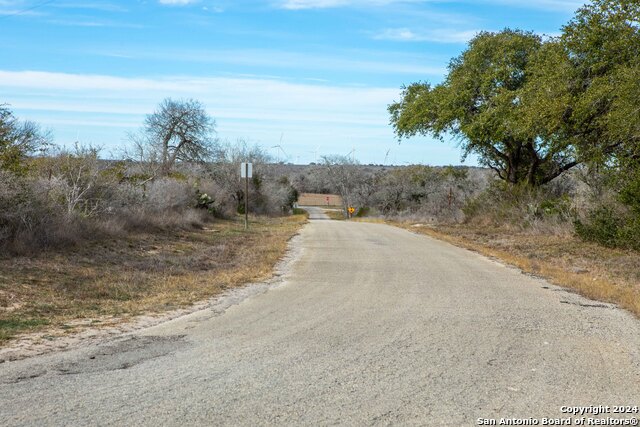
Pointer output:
x,y
610,275
144,273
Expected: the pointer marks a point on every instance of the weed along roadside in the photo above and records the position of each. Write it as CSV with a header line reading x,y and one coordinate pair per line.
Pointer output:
x,y
103,283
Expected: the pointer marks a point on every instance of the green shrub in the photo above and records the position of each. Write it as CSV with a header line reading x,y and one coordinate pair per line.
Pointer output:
x,y
519,206
298,211
630,192
615,221
362,212
602,226
611,228
205,202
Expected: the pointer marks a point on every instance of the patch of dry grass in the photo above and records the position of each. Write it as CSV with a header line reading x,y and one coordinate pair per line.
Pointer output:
x,y
335,214
142,273
599,273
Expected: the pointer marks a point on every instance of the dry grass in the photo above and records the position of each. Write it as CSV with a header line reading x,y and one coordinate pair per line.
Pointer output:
x,y
335,214
599,273
142,273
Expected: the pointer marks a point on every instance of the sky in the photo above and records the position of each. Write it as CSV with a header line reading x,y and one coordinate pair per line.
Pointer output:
x,y
312,76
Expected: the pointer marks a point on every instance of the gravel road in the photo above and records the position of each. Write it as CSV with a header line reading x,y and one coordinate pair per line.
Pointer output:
x,y
371,325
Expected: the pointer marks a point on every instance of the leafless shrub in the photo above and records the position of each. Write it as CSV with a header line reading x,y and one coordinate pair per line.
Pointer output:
x,y
276,198
72,199
75,182
269,193
169,194
431,194
28,219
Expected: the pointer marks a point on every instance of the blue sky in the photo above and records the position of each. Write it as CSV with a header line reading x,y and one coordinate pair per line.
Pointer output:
x,y
314,74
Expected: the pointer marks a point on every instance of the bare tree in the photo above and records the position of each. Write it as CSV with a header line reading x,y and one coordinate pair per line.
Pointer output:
x,y
345,177
178,131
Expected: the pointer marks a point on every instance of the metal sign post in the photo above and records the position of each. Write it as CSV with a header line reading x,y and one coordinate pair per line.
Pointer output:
x,y
246,172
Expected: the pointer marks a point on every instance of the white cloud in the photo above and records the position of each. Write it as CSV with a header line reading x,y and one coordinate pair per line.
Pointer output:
x,y
555,5
177,2
20,12
103,106
325,4
247,98
439,36
370,62
100,6
93,23
312,4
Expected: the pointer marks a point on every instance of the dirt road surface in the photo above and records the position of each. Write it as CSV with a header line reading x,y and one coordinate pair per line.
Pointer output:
x,y
315,212
371,325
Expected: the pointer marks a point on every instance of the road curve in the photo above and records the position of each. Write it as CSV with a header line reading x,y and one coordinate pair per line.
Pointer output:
x,y
315,212
372,325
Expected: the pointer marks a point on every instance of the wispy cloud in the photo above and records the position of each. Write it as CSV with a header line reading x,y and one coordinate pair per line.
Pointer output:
x,y
325,4
89,22
20,12
439,35
22,8
254,98
552,5
177,2
213,9
555,5
100,6
311,4
384,62
243,107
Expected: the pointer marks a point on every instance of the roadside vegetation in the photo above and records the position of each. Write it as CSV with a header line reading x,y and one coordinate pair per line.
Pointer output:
x,y
103,282
82,237
177,176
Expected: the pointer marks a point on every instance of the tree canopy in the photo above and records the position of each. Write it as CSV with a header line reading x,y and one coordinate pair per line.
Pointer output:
x,y
532,108
483,102
603,45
